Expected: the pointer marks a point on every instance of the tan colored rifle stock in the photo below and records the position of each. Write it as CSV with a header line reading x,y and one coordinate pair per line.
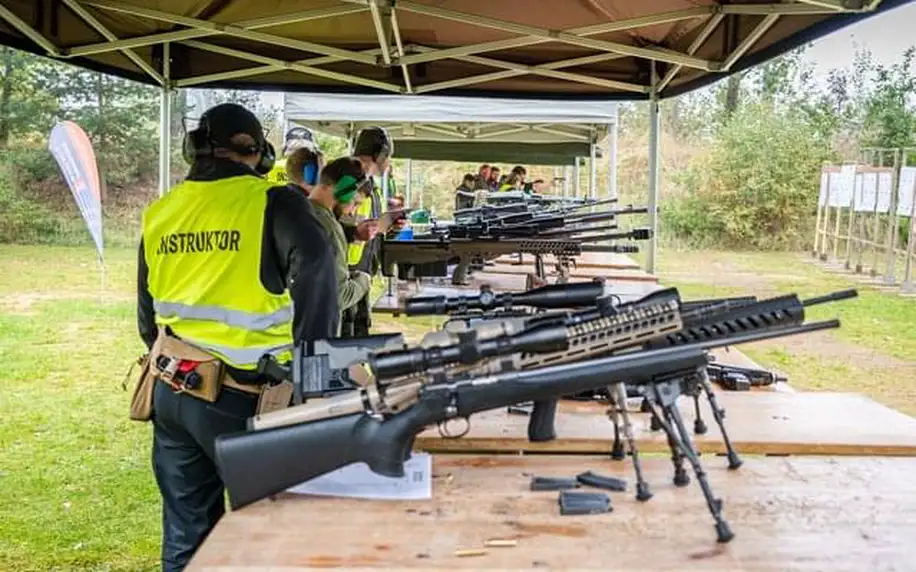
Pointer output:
x,y
392,400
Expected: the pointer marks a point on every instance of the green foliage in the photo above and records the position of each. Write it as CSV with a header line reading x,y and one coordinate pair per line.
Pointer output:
x,y
754,187
25,104
890,115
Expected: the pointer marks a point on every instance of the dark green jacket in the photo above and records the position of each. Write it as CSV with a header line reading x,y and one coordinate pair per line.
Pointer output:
x,y
351,287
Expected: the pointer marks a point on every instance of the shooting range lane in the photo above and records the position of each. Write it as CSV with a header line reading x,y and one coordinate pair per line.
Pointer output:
x,y
811,513
764,422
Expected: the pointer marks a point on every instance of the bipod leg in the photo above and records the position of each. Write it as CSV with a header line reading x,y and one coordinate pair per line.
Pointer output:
x,y
734,461
723,531
699,426
681,479
654,421
642,486
614,415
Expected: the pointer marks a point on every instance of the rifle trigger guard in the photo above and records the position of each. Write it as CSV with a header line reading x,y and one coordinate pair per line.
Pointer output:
x,y
445,433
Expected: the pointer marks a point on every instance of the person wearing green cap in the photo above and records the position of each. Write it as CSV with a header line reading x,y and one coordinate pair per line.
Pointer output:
x,y
335,195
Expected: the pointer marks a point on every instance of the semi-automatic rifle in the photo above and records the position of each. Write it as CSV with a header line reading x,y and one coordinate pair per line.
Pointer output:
x,y
703,321
539,219
383,438
432,257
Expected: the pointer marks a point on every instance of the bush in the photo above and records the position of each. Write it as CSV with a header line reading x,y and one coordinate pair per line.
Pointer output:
x,y
27,164
756,188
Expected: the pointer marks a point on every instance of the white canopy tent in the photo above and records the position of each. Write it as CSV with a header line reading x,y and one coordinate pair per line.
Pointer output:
x,y
524,131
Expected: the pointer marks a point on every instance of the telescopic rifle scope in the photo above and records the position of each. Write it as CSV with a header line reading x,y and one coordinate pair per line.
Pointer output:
x,y
549,297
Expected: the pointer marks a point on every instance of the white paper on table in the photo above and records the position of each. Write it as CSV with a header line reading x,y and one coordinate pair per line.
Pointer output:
x,y
358,481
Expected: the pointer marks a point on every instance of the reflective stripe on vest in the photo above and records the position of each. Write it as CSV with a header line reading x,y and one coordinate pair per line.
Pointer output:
x,y
234,318
202,244
246,355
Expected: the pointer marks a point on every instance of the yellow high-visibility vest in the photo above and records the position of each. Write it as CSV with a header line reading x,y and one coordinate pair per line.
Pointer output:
x,y
202,244
363,212
355,249
277,174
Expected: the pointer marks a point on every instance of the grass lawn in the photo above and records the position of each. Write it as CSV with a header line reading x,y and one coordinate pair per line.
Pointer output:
x,y
76,487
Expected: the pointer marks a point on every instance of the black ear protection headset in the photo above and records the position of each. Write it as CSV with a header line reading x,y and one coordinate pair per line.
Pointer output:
x,y
199,143
374,142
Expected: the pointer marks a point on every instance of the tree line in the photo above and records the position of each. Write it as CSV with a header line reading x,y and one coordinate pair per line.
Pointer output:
x,y
741,158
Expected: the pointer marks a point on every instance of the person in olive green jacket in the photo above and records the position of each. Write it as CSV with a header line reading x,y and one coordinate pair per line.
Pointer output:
x,y
335,195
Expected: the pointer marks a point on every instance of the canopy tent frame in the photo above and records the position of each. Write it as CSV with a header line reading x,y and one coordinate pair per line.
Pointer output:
x,y
393,52
673,69
529,132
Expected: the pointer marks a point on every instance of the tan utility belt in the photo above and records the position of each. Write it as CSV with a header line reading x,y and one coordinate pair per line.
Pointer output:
x,y
187,369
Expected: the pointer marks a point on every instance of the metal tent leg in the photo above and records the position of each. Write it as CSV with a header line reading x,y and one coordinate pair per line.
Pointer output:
x,y
165,122
654,132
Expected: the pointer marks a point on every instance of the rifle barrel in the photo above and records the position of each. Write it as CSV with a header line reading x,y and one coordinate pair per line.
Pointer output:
x,y
832,297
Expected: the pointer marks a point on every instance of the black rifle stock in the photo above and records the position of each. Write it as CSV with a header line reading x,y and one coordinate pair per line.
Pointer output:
x,y
255,465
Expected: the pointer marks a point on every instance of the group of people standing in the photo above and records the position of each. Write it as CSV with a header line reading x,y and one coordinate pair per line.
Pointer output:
x,y
244,259
488,179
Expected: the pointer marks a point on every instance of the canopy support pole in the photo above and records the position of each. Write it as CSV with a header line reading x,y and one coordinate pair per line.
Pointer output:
x,y
612,158
576,178
566,175
592,172
165,122
654,133
407,188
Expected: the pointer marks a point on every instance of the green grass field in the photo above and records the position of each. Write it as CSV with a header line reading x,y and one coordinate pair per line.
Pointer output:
x,y
76,487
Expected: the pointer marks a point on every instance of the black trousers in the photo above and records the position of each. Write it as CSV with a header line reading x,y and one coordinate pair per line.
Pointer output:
x,y
356,320
184,431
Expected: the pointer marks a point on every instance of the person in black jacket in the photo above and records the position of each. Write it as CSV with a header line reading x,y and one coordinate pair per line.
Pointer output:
x,y
188,280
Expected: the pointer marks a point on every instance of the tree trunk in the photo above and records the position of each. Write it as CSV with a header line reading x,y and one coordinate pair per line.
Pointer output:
x,y
100,102
731,94
6,87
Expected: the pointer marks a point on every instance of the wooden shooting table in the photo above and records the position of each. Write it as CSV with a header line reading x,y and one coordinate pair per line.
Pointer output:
x,y
794,513
827,484
765,422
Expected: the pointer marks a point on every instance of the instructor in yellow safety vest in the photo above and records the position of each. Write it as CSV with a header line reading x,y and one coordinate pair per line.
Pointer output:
x,y
232,268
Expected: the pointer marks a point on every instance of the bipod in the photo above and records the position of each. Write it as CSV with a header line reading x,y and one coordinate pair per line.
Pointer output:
x,y
617,411
662,401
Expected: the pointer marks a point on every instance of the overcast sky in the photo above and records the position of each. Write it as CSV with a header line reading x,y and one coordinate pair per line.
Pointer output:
x,y
886,35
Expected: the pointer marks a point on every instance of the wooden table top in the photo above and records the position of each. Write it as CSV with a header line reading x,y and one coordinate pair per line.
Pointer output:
x,y
796,513
775,423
